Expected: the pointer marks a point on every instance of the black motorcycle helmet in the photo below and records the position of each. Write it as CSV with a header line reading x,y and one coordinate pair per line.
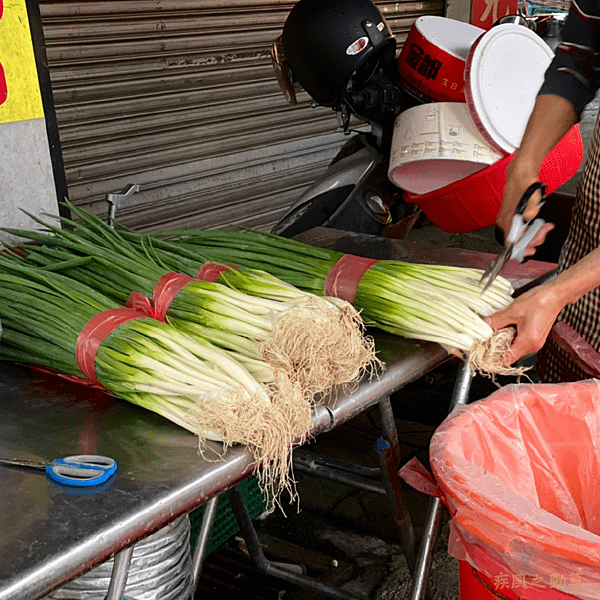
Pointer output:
x,y
327,42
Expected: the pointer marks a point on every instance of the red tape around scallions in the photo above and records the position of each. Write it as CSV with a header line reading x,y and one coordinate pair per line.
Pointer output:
x,y
138,306
168,286
95,332
345,276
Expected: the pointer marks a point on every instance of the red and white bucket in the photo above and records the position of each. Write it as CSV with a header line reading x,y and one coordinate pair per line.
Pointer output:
x,y
432,61
473,203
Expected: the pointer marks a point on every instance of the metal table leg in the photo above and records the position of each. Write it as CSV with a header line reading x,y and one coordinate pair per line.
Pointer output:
x,y
118,580
400,513
383,480
460,395
388,452
388,428
264,565
208,518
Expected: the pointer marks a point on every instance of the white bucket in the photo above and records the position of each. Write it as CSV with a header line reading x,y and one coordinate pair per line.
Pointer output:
x,y
435,145
504,71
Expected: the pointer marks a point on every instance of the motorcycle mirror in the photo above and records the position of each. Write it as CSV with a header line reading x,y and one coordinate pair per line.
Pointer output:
x,y
378,209
282,71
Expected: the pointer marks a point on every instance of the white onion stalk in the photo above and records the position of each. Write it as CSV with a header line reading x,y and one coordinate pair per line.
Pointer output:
x,y
444,304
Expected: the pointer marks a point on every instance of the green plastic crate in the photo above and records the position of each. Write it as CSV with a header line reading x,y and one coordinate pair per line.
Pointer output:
x,y
225,524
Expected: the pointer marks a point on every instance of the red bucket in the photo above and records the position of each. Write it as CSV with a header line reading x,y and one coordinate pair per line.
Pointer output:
x,y
502,584
473,203
474,585
433,59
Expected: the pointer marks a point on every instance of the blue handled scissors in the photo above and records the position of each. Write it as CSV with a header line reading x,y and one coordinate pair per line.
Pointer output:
x,y
80,470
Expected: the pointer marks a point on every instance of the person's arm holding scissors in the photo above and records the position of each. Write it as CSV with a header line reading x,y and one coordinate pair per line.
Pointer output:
x,y
550,120
570,84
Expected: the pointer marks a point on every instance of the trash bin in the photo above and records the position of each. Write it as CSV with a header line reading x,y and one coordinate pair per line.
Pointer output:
x,y
520,475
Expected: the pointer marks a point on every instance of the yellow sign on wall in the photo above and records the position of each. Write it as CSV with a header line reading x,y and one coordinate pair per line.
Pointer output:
x,y
20,97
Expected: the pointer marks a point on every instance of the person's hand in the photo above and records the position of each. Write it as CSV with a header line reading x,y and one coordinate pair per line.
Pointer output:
x,y
513,192
538,240
533,314
550,120
518,181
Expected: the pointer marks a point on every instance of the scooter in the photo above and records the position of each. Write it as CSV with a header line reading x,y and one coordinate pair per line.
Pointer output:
x,y
342,53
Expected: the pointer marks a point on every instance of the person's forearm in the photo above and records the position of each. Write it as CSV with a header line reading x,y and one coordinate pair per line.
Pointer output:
x,y
551,118
578,280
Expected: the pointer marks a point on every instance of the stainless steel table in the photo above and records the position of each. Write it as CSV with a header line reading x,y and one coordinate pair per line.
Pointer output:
x,y
50,535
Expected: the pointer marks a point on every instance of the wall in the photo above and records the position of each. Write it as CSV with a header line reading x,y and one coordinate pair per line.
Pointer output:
x,y
26,174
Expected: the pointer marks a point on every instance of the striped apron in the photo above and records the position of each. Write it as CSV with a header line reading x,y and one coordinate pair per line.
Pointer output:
x,y
553,364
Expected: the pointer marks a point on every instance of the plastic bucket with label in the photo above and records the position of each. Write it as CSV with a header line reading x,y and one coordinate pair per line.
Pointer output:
x,y
432,61
435,145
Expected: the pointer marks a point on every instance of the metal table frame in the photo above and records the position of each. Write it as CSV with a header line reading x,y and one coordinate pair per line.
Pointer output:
x,y
384,480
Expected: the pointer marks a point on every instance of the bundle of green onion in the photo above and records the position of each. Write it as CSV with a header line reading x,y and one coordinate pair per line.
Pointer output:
x,y
149,363
428,302
282,335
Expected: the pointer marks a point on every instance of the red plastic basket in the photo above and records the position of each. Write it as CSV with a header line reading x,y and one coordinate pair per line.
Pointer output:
x,y
473,202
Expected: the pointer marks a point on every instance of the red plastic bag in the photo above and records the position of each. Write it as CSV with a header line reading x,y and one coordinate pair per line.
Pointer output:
x,y
520,475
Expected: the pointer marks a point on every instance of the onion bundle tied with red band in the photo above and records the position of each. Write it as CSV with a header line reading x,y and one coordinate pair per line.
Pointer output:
x,y
61,325
282,335
436,303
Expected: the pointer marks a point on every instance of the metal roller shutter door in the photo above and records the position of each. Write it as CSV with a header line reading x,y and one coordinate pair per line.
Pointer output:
x,y
179,97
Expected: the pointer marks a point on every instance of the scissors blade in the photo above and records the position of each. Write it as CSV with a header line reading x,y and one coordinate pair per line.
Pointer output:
x,y
495,268
27,464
